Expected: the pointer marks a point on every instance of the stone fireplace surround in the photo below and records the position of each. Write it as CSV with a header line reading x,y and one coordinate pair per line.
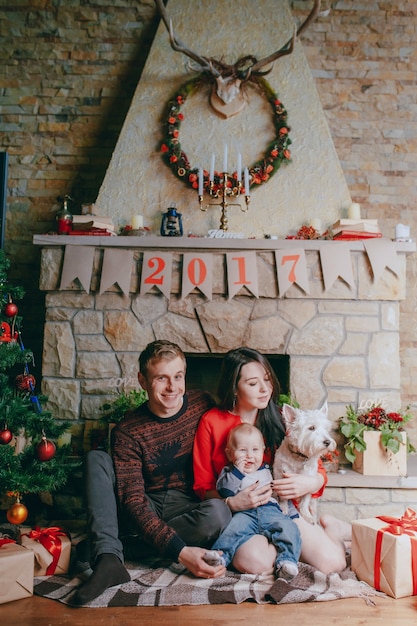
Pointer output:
x,y
343,343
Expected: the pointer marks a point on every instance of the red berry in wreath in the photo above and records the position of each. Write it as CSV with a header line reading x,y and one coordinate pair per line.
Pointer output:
x,y
45,450
25,382
10,310
6,436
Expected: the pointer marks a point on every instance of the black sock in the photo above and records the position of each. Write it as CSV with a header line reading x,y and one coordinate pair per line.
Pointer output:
x,y
108,571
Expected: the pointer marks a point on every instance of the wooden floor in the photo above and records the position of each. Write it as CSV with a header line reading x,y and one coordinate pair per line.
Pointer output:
x,y
42,612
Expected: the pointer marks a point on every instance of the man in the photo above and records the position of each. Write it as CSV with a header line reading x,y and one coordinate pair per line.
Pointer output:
x,y
149,483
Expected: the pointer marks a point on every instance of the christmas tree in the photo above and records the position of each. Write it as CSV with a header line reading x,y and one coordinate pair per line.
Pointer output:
x,y
30,461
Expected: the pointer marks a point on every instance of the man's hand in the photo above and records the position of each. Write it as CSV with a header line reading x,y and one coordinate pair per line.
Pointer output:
x,y
192,558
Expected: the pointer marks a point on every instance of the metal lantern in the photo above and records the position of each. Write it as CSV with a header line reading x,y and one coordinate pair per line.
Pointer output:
x,y
171,225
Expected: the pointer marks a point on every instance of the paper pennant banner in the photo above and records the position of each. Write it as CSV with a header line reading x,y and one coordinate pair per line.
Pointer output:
x,y
241,272
291,268
336,261
382,253
117,268
156,272
197,272
78,263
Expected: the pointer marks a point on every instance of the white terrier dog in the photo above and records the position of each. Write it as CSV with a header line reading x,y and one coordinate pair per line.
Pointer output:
x,y
307,439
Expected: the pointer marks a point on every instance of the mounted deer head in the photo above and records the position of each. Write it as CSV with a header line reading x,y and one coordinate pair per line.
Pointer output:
x,y
227,96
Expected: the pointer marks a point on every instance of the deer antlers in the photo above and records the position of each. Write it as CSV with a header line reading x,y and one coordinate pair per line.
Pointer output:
x,y
230,77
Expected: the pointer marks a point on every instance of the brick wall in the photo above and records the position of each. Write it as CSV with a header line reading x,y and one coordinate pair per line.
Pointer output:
x,y
68,72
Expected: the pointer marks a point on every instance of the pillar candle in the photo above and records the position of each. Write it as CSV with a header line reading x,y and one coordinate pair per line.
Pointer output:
x,y
402,231
354,211
137,222
316,224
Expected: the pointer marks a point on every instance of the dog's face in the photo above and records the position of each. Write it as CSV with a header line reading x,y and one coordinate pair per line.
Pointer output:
x,y
309,431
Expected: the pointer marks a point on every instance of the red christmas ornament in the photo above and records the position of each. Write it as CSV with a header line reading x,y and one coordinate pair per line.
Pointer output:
x,y
45,450
6,436
25,382
10,310
17,513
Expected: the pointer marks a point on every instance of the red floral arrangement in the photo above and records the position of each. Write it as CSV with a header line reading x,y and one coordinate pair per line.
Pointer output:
x,y
389,423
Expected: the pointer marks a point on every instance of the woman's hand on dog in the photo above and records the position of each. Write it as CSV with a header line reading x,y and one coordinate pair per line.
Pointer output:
x,y
250,498
293,486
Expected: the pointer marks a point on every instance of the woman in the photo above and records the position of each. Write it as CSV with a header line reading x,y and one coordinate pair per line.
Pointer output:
x,y
248,392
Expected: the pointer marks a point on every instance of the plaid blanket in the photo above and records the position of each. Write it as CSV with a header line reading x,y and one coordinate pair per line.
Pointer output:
x,y
159,586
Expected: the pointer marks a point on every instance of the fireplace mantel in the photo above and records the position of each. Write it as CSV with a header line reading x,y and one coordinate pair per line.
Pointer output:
x,y
200,243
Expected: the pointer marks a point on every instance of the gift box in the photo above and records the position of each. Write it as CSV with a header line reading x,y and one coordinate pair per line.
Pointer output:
x,y
51,548
16,571
384,553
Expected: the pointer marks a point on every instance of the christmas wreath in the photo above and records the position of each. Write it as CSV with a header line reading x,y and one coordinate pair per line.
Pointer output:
x,y
277,151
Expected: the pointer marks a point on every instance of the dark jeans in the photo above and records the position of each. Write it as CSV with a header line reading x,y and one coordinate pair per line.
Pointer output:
x,y
197,523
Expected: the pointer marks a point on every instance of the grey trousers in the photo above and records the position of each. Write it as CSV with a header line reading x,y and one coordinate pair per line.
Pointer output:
x,y
198,523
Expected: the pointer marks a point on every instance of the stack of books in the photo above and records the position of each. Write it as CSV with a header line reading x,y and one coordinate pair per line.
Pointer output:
x,y
98,225
350,229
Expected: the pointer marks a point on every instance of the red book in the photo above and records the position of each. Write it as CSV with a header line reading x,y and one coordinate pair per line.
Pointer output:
x,y
101,232
351,235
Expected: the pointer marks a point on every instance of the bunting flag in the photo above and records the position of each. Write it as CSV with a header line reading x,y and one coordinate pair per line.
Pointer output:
x,y
241,266
382,254
117,268
197,272
156,272
291,269
241,272
78,263
336,261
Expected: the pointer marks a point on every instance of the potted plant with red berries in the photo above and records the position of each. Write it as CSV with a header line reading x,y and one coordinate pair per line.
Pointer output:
x,y
376,440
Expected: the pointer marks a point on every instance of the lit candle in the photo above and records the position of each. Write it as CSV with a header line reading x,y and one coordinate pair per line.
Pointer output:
x,y
225,158
137,222
247,190
200,182
211,176
354,211
239,167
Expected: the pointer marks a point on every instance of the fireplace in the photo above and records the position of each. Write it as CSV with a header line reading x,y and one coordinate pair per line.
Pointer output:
x,y
203,371
339,343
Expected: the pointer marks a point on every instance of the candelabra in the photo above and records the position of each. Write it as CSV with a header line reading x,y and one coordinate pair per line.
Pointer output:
x,y
224,192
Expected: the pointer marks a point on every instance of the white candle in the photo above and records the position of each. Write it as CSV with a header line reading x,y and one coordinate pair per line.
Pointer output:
x,y
239,167
247,190
316,224
211,176
200,182
137,222
354,211
225,158
402,231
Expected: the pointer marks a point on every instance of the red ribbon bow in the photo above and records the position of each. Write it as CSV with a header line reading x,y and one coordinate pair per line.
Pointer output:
x,y
49,538
405,525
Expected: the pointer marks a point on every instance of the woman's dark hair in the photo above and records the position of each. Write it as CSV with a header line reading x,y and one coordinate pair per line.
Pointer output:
x,y
269,420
